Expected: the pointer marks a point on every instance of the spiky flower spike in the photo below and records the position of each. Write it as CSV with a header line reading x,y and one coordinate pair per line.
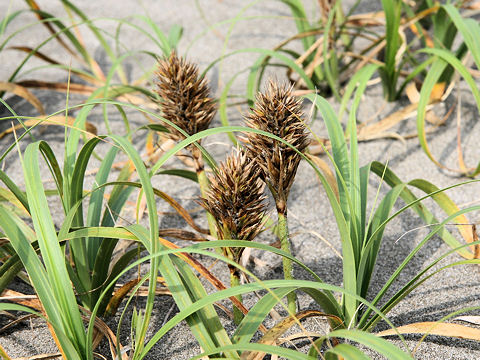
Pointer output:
x,y
186,103
185,96
236,201
279,113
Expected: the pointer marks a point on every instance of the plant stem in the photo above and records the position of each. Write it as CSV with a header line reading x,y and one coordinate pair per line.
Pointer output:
x,y
287,263
235,281
204,186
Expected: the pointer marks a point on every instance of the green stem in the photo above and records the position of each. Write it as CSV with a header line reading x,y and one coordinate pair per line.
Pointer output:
x,y
204,186
287,263
235,281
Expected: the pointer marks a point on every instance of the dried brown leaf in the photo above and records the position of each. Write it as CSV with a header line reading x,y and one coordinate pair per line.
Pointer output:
x,y
23,93
58,86
56,120
181,234
469,318
16,297
101,330
46,58
180,210
118,296
370,131
436,328
41,357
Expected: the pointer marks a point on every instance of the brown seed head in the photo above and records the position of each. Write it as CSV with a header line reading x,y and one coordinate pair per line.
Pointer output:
x,y
278,112
185,96
236,200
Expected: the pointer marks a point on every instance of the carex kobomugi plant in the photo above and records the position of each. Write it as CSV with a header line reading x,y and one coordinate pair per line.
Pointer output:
x,y
186,102
278,112
237,202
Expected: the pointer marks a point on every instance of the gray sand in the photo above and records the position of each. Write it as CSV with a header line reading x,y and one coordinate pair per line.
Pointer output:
x,y
309,211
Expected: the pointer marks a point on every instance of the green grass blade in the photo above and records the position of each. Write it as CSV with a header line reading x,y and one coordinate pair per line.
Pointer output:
x,y
374,342
13,265
341,160
345,351
267,349
457,64
439,229
14,230
388,73
375,235
106,245
78,165
71,149
431,79
186,174
340,153
15,190
444,58
53,165
412,201
209,326
257,314
153,223
222,106
356,191
469,29
95,205
9,269
52,254
68,348
8,18
99,37
301,21
174,35
446,204
329,57
166,43
416,280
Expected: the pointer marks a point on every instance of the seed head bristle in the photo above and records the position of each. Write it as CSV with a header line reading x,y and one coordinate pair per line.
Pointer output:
x,y
236,200
184,96
278,112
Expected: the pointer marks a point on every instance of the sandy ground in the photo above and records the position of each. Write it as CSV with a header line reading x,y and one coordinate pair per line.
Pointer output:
x,y
263,24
